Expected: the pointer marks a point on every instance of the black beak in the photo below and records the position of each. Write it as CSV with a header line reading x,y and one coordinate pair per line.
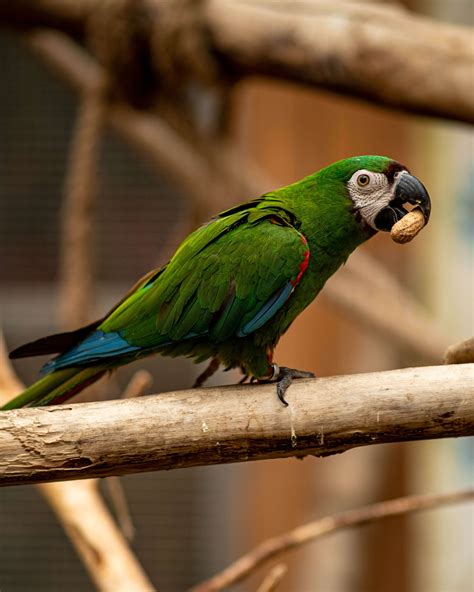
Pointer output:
x,y
408,189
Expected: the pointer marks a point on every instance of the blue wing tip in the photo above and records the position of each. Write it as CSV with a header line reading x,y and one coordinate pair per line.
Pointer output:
x,y
268,310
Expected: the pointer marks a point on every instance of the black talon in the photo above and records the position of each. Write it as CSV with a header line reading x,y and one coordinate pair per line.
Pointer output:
x,y
286,377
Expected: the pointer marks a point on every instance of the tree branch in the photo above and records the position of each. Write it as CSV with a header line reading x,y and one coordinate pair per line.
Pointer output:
x,y
273,578
103,549
307,533
78,214
380,53
383,54
233,424
460,353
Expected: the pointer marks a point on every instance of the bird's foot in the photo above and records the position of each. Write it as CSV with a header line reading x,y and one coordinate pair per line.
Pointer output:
x,y
284,376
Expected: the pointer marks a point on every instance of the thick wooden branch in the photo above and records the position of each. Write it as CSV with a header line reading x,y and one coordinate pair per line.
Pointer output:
x,y
380,53
233,424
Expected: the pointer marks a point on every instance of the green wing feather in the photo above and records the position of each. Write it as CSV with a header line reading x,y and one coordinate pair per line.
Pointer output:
x,y
218,280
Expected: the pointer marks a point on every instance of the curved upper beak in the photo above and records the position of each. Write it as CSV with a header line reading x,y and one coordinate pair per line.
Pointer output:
x,y
408,189
411,190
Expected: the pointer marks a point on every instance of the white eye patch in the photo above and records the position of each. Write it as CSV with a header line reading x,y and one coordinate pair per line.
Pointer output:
x,y
370,192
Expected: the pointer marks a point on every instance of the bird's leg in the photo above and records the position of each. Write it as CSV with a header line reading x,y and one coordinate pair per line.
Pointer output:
x,y
208,372
246,377
284,376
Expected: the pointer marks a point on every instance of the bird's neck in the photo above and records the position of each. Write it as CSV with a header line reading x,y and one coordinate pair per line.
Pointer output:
x,y
326,217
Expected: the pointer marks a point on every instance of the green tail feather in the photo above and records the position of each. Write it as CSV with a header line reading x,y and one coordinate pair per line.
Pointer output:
x,y
56,387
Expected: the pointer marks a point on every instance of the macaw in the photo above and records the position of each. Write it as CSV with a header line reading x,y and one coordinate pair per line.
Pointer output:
x,y
236,284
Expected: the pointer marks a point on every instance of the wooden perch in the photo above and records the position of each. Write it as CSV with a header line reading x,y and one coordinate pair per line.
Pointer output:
x,y
383,54
232,424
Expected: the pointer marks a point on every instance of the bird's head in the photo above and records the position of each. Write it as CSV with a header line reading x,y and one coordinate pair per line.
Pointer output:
x,y
379,188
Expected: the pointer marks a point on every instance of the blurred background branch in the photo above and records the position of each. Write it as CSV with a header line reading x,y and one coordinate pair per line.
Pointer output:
x,y
307,533
273,578
381,53
460,353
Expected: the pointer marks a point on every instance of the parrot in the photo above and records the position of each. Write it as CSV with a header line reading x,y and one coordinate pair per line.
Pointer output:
x,y
235,285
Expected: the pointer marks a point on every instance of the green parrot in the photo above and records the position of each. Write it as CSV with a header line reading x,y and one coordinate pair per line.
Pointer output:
x,y
236,284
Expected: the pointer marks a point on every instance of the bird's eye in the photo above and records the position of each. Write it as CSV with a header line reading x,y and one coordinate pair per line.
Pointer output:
x,y
363,180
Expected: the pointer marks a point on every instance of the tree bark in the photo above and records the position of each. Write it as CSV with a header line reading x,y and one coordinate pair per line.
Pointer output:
x,y
234,424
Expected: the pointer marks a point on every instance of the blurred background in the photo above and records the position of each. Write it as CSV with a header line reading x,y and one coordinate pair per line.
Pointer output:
x,y
190,523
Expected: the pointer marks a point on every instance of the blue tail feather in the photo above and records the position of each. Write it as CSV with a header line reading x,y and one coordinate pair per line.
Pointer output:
x,y
97,346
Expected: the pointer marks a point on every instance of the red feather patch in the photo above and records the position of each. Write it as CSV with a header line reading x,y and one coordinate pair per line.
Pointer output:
x,y
303,264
